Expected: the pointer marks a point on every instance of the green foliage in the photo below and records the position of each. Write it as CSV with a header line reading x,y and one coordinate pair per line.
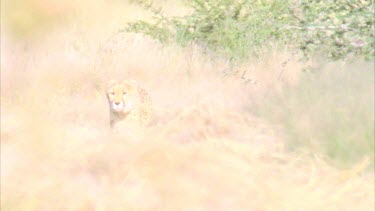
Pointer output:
x,y
234,29
337,28
237,29
162,27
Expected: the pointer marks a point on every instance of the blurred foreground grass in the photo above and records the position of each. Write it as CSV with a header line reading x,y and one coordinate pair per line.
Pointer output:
x,y
217,141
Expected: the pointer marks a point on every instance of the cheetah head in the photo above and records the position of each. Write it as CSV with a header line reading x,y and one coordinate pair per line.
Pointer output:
x,y
122,96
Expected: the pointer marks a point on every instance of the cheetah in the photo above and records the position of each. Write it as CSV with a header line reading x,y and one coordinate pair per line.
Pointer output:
x,y
128,103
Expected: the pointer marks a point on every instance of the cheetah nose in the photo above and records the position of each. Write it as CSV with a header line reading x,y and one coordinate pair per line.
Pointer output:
x,y
117,103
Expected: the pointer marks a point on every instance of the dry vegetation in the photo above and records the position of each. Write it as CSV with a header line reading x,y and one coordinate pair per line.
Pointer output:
x,y
206,149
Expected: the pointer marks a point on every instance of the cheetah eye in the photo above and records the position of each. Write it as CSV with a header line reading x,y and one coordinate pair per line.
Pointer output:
x,y
124,93
112,93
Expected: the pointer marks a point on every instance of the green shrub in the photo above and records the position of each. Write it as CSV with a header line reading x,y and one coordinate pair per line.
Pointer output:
x,y
235,29
337,28
238,29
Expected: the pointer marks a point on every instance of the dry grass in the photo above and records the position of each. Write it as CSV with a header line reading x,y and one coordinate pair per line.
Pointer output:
x,y
205,150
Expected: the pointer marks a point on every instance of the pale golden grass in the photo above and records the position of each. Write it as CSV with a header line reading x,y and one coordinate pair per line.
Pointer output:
x,y
204,150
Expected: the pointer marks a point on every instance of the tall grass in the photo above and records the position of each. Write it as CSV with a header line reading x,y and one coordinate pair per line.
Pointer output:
x,y
216,141
331,110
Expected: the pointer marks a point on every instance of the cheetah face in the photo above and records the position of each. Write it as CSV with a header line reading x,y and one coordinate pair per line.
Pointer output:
x,y
121,96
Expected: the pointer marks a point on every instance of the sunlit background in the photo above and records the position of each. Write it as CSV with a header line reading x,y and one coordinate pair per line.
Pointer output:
x,y
268,108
